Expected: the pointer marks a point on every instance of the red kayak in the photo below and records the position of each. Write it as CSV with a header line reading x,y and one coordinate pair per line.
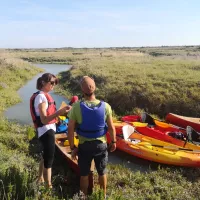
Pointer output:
x,y
183,121
131,118
159,130
174,136
150,121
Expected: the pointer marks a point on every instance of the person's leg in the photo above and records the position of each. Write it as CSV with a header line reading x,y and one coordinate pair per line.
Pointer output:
x,y
48,141
84,183
47,176
91,178
103,182
84,162
101,159
41,168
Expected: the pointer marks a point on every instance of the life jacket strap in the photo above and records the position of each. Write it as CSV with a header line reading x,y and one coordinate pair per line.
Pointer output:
x,y
93,131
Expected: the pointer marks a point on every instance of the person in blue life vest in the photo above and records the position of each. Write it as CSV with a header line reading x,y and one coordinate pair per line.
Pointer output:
x,y
91,118
44,114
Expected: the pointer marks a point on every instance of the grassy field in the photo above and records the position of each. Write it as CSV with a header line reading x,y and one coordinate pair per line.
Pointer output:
x,y
158,80
17,168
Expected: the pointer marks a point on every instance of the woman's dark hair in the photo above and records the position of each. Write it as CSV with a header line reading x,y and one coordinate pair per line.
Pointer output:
x,y
45,78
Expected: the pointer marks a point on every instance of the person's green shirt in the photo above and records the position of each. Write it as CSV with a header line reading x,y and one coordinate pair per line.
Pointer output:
x,y
75,114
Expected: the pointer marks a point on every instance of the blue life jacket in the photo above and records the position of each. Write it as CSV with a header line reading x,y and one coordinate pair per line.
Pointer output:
x,y
93,121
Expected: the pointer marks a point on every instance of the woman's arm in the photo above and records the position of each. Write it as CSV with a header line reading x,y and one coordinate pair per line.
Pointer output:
x,y
43,113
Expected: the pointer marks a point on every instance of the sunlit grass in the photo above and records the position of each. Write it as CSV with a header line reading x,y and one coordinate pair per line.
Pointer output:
x,y
17,167
130,80
13,74
126,81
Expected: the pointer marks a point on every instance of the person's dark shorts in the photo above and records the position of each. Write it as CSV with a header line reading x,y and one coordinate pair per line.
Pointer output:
x,y
90,150
48,146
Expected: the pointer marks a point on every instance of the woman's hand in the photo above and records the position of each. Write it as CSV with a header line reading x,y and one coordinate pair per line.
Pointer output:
x,y
64,111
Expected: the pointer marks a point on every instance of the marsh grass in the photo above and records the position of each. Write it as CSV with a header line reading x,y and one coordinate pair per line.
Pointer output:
x,y
17,168
13,74
131,80
128,80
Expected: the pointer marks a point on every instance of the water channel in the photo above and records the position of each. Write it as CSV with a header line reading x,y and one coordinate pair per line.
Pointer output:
x,y
20,113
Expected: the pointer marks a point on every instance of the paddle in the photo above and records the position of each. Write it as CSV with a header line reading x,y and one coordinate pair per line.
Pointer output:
x,y
128,130
146,118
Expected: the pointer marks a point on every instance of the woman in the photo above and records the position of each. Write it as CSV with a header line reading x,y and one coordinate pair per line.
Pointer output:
x,y
44,114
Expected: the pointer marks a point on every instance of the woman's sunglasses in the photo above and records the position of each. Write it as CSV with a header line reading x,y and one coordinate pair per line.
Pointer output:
x,y
53,82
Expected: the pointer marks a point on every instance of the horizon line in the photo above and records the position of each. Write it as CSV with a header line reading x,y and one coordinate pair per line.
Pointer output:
x,y
161,46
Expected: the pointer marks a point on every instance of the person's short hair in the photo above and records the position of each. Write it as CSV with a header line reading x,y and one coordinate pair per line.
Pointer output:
x,y
87,85
45,78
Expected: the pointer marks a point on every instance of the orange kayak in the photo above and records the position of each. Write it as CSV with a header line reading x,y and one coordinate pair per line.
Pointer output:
x,y
158,151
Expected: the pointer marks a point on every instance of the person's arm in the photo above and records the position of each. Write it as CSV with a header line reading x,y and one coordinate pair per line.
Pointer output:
x,y
74,149
112,132
71,128
43,113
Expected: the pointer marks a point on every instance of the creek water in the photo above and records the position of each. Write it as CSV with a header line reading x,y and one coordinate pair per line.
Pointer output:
x,y
20,113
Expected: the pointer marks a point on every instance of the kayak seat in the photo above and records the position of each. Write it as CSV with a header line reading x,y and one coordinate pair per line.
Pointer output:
x,y
177,135
192,135
127,131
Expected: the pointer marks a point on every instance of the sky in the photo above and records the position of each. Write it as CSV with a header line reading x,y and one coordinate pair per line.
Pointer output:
x,y
98,23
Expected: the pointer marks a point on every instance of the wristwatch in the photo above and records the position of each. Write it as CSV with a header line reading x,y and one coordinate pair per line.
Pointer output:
x,y
113,142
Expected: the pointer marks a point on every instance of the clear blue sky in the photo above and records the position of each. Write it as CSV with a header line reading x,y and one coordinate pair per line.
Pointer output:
x,y
98,23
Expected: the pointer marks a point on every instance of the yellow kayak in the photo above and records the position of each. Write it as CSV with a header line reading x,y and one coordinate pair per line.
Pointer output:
x,y
159,151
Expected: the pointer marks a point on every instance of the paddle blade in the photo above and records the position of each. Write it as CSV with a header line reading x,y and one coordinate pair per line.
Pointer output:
x,y
127,131
146,118
63,104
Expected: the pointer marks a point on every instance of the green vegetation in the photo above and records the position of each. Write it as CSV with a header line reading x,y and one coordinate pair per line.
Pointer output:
x,y
129,80
17,168
14,73
159,80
